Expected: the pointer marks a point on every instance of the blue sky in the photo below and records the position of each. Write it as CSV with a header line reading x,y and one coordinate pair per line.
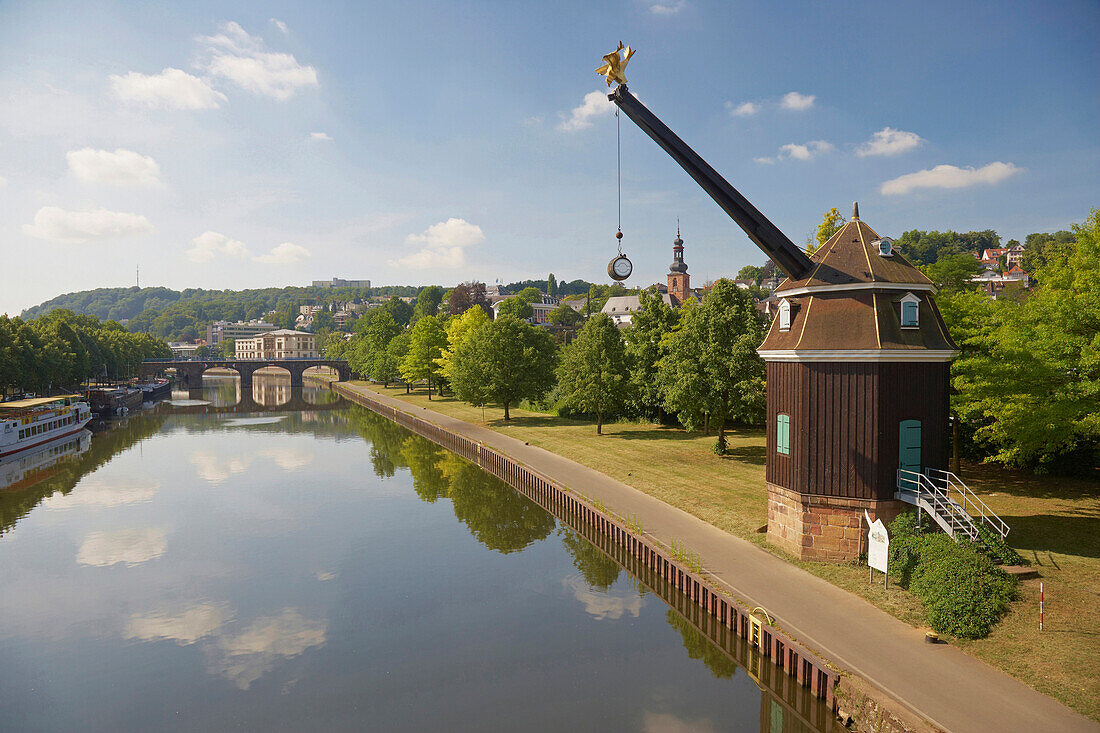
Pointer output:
x,y
232,145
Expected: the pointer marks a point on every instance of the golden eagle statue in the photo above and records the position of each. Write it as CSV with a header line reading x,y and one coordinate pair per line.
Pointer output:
x,y
614,66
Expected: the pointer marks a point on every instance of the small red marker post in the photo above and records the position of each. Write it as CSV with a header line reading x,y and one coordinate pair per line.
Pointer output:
x,y
1040,605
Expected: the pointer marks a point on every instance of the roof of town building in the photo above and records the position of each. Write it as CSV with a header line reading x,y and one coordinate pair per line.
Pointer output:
x,y
849,257
620,304
861,317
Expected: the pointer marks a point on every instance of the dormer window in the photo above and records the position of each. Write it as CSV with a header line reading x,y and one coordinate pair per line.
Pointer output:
x,y
885,247
784,315
910,311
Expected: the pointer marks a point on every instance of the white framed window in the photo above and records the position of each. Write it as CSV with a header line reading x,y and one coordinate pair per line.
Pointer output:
x,y
784,315
910,311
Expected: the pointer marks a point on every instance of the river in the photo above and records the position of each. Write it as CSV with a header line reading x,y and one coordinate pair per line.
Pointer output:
x,y
296,562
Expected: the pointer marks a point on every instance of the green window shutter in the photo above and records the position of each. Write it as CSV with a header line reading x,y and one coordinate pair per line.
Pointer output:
x,y
783,434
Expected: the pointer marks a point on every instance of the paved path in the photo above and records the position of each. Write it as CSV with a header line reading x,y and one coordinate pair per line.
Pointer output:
x,y
946,686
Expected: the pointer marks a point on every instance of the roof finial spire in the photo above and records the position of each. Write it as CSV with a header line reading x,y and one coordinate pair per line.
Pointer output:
x,y
855,211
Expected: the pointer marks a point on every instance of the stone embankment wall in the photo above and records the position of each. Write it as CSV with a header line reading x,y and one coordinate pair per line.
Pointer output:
x,y
803,666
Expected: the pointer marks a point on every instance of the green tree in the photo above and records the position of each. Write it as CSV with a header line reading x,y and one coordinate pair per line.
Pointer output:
x,y
751,272
953,272
227,348
426,342
594,375
459,329
1040,249
427,302
504,361
516,307
387,365
401,311
1033,384
712,369
564,316
830,224
649,329
322,320
551,285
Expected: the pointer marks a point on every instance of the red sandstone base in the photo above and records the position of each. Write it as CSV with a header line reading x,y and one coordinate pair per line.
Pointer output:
x,y
829,528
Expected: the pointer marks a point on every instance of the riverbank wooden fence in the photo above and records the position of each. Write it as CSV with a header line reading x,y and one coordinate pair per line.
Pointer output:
x,y
804,667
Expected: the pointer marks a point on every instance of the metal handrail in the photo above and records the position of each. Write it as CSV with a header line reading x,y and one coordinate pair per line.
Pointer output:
x,y
951,481
944,508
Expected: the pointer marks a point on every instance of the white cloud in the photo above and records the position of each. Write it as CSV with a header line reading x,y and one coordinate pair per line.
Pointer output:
x,y
3,181
57,224
184,628
796,101
889,141
129,546
444,243
120,168
209,245
97,491
286,253
667,8
666,723
745,109
595,105
950,176
319,136
280,25
805,151
244,60
170,89
245,657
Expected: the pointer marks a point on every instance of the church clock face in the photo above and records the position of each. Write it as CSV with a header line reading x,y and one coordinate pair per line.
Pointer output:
x,y
620,268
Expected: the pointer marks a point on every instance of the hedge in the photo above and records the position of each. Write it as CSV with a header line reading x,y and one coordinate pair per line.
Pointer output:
x,y
963,591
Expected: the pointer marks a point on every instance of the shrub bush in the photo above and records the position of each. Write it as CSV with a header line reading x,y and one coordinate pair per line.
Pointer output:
x,y
962,589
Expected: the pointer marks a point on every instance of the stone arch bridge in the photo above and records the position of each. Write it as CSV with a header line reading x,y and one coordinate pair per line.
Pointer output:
x,y
190,371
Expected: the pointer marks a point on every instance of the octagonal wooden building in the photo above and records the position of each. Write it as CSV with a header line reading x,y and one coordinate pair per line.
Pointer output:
x,y
858,383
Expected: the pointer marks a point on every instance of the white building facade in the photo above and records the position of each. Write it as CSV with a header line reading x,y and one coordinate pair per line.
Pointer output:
x,y
280,344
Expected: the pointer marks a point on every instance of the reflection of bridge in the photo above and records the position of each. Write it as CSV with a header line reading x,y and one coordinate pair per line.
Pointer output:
x,y
190,371
247,403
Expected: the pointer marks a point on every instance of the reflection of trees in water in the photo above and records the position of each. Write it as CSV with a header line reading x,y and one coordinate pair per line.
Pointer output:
x,y
597,568
496,515
698,646
14,505
424,459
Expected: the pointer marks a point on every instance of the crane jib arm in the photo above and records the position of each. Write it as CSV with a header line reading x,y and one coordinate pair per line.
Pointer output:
x,y
790,259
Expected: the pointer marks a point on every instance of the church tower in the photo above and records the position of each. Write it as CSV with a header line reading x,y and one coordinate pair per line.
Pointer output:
x,y
679,282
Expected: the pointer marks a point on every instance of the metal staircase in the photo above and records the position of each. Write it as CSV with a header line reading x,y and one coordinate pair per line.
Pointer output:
x,y
951,504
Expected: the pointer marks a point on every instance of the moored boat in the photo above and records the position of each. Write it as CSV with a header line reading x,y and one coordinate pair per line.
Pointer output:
x,y
25,424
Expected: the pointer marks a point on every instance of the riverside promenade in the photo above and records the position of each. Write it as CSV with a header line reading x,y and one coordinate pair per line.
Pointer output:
x,y
939,683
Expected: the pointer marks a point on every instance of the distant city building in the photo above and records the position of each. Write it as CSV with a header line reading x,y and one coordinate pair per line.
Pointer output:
x,y
622,308
1013,255
679,282
337,282
280,344
183,349
541,309
219,330
993,282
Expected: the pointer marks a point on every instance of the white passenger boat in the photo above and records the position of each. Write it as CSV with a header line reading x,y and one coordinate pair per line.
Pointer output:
x,y
26,424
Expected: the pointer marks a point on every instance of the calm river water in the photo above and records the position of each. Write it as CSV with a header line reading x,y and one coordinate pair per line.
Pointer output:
x,y
201,566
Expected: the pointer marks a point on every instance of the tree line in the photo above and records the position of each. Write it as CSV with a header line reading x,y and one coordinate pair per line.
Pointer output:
x,y
63,349
698,363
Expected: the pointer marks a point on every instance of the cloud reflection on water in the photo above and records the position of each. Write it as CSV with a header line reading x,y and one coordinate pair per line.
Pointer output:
x,y
129,546
607,604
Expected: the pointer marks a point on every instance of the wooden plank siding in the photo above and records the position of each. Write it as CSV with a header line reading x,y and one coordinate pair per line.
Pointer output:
x,y
844,423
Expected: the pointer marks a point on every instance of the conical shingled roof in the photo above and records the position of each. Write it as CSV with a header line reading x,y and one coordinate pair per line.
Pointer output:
x,y
849,258
828,318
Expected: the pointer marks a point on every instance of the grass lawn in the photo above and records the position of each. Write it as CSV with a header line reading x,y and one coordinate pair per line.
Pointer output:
x,y
1055,525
